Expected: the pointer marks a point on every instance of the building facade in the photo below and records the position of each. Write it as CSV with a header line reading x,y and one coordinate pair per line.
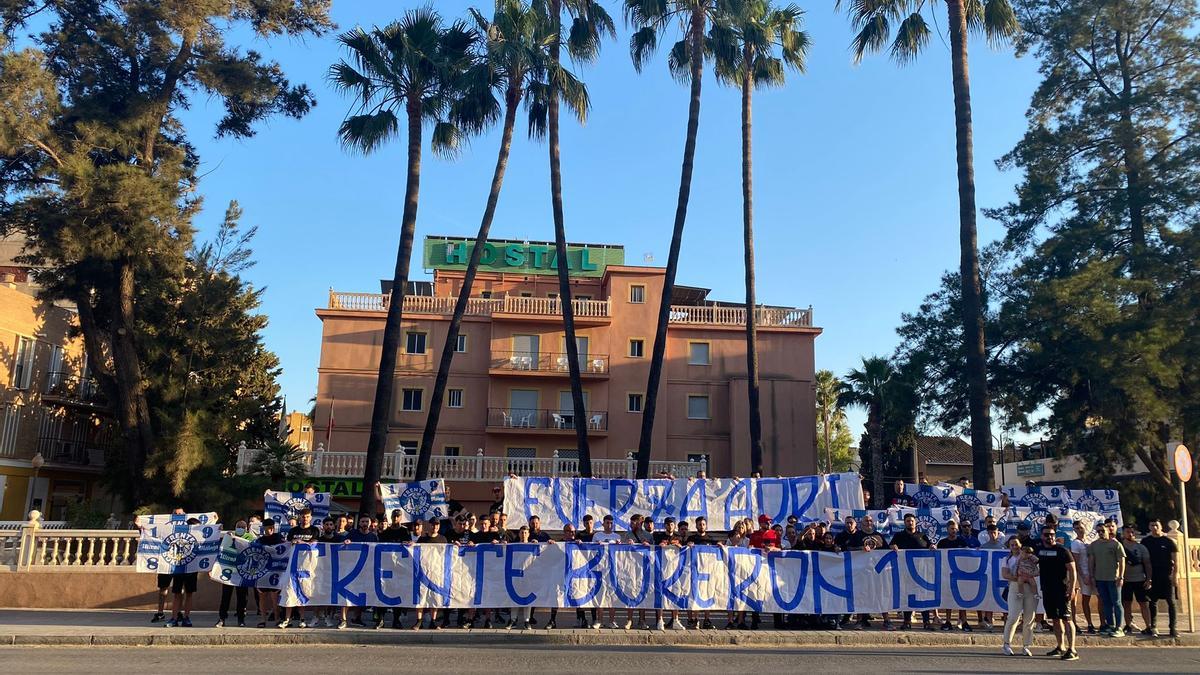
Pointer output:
x,y
300,431
51,411
509,393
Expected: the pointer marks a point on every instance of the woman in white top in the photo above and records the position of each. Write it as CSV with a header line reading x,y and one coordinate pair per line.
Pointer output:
x,y
1021,606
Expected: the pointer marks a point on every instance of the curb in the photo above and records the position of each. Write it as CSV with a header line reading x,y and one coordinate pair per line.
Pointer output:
x,y
302,636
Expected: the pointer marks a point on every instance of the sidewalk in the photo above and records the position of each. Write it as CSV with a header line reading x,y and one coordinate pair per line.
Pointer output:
x,y
123,627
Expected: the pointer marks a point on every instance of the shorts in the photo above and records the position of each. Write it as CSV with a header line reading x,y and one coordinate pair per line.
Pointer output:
x,y
164,581
1087,589
1133,589
1056,604
184,582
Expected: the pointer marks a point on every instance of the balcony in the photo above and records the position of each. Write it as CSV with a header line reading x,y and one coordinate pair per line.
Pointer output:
x,y
715,315
585,310
398,466
68,388
525,420
591,366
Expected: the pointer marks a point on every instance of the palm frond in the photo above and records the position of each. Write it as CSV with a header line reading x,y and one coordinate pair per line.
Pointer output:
x,y
571,91
642,45
1000,24
447,140
366,133
911,37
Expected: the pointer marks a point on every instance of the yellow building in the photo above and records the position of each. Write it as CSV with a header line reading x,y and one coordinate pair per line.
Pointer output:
x,y
300,432
52,412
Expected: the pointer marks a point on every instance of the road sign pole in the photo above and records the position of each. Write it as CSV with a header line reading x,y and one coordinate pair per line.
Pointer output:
x,y
1187,563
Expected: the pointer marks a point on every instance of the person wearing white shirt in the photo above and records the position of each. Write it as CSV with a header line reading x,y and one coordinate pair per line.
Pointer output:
x,y
607,536
1087,586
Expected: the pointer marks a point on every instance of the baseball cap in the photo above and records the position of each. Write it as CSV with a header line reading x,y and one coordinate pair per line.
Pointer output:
x,y
764,518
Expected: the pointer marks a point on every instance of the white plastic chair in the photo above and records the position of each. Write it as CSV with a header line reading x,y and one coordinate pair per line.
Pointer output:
x,y
507,419
598,365
595,421
558,420
562,363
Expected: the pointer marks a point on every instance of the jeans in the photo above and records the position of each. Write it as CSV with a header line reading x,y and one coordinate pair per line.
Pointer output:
x,y
240,607
1021,608
1111,611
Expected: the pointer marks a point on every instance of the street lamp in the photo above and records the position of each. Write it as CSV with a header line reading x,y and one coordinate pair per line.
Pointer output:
x,y
37,463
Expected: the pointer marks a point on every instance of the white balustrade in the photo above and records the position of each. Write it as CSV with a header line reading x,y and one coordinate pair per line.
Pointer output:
x,y
40,549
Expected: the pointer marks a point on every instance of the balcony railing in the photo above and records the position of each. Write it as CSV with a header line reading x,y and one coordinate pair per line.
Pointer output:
x,y
551,362
710,315
475,468
552,307
555,420
65,386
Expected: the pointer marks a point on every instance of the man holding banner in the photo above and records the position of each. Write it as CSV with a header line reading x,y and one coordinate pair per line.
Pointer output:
x,y
227,592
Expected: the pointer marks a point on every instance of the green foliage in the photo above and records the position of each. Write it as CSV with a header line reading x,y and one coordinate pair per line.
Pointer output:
x,y
756,39
279,461
833,433
874,20
84,515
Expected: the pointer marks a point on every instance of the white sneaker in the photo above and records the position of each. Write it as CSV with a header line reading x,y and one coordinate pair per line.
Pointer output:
x,y
1007,650
341,625
660,625
613,626
1026,652
675,625
302,624
987,625
628,624
596,625
282,625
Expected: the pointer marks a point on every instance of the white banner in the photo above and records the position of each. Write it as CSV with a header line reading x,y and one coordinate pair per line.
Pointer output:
x,y
722,501
160,525
973,505
250,564
283,505
622,575
932,522
1035,496
183,549
929,496
419,500
883,519
1107,503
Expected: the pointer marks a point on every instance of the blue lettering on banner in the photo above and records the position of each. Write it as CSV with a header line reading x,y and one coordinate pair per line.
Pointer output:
x,y
741,509
480,550
512,572
644,555
697,489
664,582
659,491
812,483
737,589
998,582
588,572
701,575
833,480
910,560
384,573
556,495
820,585
583,500
420,578
299,573
890,559
773,560
616,486
530,500
958,576
342,583
762,485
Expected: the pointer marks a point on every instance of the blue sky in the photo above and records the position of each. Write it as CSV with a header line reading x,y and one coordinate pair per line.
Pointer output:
x,y
855,193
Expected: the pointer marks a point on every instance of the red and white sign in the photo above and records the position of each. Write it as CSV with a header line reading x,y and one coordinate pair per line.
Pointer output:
x,y
1183,462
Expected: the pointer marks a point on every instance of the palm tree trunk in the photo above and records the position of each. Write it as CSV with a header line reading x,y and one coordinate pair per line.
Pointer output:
x,y
875,429
560,248
381,411
512,100
978,403
658,353
756,446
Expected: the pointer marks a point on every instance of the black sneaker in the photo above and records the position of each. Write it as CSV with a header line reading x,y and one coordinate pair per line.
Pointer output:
x,y
966,628
1091,630
219,624
241,623
1055,652
1070,655
157,617
707,625
947,626
1174,633
1149,632
551,625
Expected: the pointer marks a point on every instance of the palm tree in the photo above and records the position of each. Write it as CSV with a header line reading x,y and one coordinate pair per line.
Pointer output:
x,y
417,65
651,18
279,461
517,61
829,413
744,41
867,388
589,24
997,22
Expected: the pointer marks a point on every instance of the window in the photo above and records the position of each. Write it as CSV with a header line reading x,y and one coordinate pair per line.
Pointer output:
x,y
412,400
8,432
452,451
700,458
486,295
414,343
637,348
407,447
697,407
583,297
635,402
455,398
698,354
460,344
521,460
304,428
637,293
23,364
54,374
552,295
525,294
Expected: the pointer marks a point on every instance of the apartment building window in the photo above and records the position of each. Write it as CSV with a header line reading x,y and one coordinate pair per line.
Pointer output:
x,y
697,407
414,343
486,295
637,293
521,460
8,432
635,402
637,348
460,344
412,400
526,294
304,429
23,364
454,398
408,447
54,374
452,451
699,354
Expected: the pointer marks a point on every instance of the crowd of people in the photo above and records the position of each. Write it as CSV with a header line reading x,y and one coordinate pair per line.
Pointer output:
x,y
1117,572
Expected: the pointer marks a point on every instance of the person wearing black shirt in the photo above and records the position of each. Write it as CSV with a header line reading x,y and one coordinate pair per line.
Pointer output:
x,y
431,536
498,505
911,539
1057,568
269,597
536,533
304,533
396,533
1163,575
851,538
952,540
585,535
700,537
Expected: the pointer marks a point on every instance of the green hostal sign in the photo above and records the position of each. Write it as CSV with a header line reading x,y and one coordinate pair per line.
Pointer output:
x,y
337,487
520,258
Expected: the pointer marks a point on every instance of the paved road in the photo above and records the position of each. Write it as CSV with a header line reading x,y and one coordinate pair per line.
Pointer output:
x,y
503,659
